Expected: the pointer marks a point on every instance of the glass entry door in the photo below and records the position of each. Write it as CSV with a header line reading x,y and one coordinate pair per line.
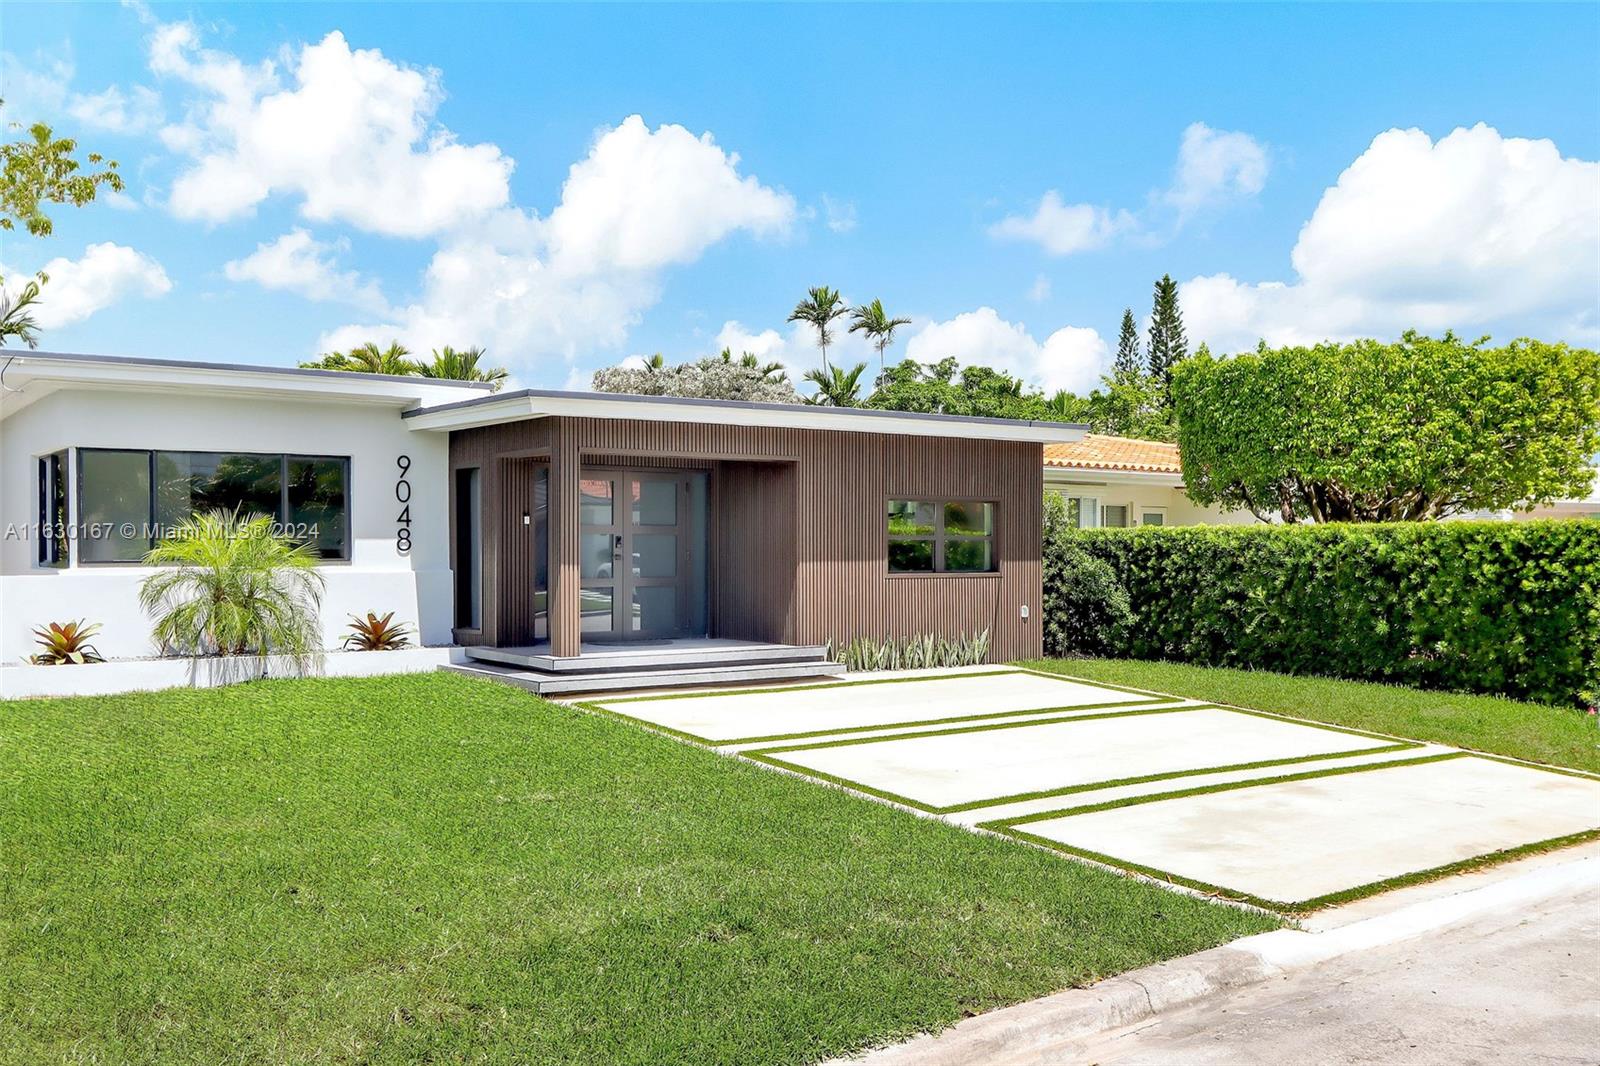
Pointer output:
x,y
636,546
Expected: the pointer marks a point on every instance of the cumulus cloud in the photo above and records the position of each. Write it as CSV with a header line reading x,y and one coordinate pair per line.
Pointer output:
x,y
40,88
797,349
299,263
1072,357
1214,167
105,274
349,132
1473,230
642,200
136,111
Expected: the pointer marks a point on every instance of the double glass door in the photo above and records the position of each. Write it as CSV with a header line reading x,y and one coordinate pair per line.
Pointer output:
x,y
636,546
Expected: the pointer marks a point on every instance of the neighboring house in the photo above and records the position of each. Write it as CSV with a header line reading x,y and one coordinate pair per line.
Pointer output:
x,y
1122,481
549,522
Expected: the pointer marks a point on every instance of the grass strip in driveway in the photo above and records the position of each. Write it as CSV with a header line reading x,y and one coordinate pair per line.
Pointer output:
x,y
606,706
440,868
1559,736
773,756
1013,827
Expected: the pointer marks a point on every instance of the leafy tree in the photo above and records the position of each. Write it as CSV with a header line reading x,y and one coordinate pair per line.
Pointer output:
x,y
820,307
1168,345
877,325
837,387
369,359
718,377
451,364
40,169
1067,406
16,315
946,387
1421,429
1128,366
1130,408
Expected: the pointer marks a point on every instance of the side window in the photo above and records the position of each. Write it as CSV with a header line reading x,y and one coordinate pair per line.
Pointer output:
x,y
1114,515
52,527
941,536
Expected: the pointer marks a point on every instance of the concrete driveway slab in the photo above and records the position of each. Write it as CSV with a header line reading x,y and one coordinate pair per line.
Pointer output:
x,y
987,764
776,714
1302,843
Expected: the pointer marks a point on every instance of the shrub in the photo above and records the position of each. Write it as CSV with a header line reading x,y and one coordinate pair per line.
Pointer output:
x,y
232,585
1084,603
1499,607
921,652
66,645
376,634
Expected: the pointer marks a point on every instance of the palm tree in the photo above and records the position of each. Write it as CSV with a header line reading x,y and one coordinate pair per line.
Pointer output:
x,y
369,359
879,327
820,307
16,316
748,359
836,387
452,365
656,363
228,584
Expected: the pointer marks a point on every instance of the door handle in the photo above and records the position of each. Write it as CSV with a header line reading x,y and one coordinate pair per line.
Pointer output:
x,y
616,548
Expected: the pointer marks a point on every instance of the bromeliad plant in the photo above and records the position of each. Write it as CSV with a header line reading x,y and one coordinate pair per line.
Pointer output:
x,y
376,634
233,585
66,645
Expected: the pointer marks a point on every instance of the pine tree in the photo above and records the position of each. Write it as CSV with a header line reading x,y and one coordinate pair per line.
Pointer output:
x,y
1167,345
1128,366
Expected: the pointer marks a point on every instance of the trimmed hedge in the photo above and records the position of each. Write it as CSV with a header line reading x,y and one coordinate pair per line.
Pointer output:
x,y
1500,607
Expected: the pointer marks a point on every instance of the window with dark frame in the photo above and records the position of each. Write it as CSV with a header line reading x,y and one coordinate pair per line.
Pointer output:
x,y
126,498
941,537
52,531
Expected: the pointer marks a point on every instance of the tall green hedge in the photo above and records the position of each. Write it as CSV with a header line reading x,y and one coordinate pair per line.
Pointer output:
x,y
1501,607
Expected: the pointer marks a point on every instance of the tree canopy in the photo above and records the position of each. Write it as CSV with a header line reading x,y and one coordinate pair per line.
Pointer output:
x,y
946,387
718,377
1420,429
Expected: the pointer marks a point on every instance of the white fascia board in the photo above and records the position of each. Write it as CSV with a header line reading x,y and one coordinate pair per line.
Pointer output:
x,y
166,376
518,406
1083,475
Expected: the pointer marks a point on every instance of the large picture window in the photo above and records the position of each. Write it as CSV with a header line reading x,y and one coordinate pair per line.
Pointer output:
x,y
128,499
941,536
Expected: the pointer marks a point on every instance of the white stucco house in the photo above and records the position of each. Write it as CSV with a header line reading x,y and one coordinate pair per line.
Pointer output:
x,y
1124,481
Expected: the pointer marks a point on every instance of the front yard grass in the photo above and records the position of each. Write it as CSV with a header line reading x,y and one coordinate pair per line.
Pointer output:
x,y
1531,731
437,868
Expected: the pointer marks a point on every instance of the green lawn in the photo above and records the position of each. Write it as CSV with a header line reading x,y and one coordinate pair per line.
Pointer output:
x,y
1531,731
433,867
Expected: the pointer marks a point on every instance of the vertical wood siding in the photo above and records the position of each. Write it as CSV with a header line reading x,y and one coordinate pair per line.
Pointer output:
x,y
798,551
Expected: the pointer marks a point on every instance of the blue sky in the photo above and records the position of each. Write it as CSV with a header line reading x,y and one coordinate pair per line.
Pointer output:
x,y
305,175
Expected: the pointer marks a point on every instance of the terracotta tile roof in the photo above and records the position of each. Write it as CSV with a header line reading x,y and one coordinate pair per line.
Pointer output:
x,y
1097,451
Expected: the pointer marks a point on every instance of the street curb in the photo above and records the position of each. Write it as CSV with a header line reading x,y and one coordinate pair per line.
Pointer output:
x,y
1032,1032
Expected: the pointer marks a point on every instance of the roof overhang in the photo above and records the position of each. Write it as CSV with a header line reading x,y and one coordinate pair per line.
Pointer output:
x,y
1088,475
536,403
29,376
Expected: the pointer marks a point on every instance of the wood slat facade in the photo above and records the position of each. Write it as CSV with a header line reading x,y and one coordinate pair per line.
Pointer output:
x,y
797,540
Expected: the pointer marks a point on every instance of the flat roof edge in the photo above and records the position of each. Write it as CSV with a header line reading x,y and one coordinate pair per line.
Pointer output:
x,y
244,368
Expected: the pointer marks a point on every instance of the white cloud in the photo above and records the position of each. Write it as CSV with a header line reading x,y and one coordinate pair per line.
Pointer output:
x,y
1072,357
1214,166
1473,230
136,111
1062,228
839,215
105,274
297,262
642,200
352,135
1039,291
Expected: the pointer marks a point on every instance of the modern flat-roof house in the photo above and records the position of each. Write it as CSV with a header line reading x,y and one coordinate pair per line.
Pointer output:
x,y
1124,481
548,531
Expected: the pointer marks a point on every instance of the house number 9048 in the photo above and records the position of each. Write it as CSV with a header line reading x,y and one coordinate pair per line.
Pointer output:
x,y
402,492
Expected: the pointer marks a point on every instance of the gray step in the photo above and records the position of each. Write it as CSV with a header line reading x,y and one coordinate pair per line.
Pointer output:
x,y
553,684
601,659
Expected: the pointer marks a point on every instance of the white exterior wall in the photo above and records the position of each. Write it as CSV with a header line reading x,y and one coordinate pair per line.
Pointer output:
x,y
1179,509
417,587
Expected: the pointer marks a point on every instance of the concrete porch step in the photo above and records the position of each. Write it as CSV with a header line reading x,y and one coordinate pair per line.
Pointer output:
x,y
548,683
665,654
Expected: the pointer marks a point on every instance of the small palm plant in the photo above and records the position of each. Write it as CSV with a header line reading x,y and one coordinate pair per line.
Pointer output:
x,y
820,307
233,585
368,358
66,645
376,634
837,387
872,320
453,364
